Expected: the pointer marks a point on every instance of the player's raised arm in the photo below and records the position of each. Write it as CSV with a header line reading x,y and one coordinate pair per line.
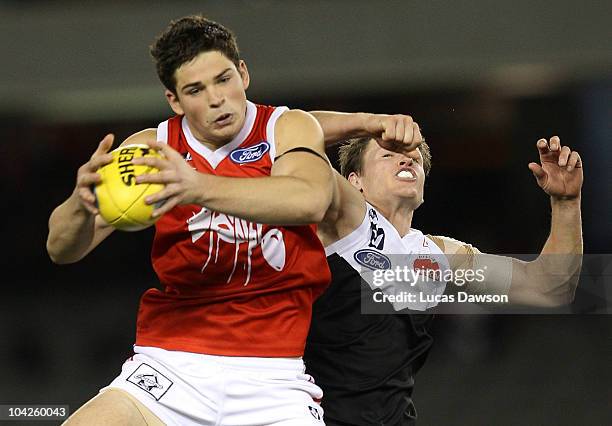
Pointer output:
x,y
396,132
298,191
551,279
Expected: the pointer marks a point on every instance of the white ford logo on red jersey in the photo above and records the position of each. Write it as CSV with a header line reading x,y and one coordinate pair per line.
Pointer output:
x,y
251,154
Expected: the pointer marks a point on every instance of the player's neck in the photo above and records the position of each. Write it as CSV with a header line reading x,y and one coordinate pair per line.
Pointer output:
x,y
400,216
212,145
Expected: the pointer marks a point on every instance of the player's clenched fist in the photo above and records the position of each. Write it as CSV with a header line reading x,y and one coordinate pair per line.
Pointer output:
x,y
397,132
87,176
559,173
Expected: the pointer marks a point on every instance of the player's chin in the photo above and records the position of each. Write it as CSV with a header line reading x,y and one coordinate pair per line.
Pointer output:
x,y
226,133
411,196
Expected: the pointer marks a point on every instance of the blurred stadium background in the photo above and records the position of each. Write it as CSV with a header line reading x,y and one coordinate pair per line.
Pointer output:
x,y
484,79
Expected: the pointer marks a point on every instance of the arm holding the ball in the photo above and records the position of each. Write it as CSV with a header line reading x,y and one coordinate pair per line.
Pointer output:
x,y
75,227
298,191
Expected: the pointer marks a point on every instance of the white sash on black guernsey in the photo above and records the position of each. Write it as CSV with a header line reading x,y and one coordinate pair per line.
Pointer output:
x,y
410,262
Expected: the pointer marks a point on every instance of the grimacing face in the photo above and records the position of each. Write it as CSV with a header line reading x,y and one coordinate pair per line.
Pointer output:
x,y
389,177
211,93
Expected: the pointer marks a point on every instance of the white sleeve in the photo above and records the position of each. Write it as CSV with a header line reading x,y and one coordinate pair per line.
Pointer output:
x,y
496,270
162,132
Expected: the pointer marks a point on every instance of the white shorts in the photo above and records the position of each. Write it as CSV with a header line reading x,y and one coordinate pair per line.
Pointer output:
x,y
183,388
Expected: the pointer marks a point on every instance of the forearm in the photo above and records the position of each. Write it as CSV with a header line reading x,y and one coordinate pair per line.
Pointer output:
x,y
552,278
282,200
338,126
565,228
71,231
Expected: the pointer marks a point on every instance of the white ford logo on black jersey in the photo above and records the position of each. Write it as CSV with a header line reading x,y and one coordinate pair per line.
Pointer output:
x,y
376,246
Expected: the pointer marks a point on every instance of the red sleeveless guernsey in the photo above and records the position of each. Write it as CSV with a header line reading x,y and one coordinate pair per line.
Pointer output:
x,y
231,287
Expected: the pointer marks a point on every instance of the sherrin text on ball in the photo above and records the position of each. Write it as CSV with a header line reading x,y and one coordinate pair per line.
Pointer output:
x,y
121,201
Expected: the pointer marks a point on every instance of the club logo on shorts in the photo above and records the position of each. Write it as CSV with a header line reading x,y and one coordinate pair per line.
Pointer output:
x,y
372,259
251,154
150,380
315,413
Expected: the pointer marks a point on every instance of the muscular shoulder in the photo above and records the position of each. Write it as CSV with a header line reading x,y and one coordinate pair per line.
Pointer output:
x,y
297,117
298,128
144,136
450,245
460,254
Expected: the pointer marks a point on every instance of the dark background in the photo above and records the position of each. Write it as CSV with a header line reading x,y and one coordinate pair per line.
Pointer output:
x,y
484,80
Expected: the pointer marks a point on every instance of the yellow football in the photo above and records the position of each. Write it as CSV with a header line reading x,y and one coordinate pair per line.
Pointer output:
x,y
119,198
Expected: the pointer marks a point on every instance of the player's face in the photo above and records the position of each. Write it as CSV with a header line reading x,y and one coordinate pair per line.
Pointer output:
x,y
211,94
388,177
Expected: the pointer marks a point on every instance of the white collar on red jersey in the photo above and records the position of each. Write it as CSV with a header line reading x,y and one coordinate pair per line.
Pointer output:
x,y
216,156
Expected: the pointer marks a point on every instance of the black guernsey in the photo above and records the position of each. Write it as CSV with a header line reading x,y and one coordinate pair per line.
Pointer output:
x,y
365,363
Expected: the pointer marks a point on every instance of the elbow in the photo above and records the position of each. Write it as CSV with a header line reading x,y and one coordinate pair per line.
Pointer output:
x,y
316,216
559,301
566,298
554,279
57,256
59,260
566,293
316,206
53,253
313,213
560,298
554,302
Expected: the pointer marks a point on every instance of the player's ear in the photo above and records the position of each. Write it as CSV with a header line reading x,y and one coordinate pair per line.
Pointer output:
x,y
244,74
355,180
174,102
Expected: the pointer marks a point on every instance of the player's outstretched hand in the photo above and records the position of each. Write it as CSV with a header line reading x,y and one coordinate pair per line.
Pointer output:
x,y
182,183
87,176
397,132
560,172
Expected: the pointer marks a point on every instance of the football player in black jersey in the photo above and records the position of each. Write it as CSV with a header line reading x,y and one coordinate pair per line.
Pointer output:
x,y
366,364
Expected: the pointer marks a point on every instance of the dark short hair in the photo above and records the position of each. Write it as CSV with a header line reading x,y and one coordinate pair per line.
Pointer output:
x,y
186,38
351,156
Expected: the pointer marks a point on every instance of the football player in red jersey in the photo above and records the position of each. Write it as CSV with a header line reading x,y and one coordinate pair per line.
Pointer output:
x,y
239,263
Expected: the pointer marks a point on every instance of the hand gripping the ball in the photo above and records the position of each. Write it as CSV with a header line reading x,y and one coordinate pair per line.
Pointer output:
x,y
88,176
121,200
183,184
